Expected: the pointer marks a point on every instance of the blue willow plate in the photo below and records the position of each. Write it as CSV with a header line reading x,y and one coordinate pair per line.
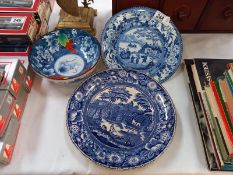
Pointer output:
x,y
64,54
144,40
121,118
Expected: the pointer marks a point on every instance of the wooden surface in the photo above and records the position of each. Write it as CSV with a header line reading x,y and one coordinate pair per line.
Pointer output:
x,y
119,5
218,16
184,13
190,16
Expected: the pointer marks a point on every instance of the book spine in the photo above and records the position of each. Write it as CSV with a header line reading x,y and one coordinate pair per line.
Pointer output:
x,y
217,133
216,83
202,131
227,165
213,141
227,97
224,119
229,82
211,160
196,78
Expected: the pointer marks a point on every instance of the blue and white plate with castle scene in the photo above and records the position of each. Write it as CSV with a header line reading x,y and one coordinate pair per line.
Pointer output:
x,y
64,54
121,119
144,40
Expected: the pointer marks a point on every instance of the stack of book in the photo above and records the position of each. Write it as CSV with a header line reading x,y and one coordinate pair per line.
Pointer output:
x,y
211,87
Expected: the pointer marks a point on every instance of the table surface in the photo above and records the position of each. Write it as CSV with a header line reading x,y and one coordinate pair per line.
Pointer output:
x,y
44,147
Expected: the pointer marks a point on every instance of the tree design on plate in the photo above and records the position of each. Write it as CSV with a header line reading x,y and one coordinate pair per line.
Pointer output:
x,y
120,117
140,48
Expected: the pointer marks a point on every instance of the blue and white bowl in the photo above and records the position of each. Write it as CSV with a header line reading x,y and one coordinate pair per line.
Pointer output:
x,y
144,40
65,55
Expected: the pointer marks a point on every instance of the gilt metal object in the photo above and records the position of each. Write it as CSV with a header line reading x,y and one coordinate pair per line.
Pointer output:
x,y
70,6
73,16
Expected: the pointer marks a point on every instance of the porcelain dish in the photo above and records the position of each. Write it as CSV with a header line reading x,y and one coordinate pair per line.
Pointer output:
x,y
65,55
121,119
144,40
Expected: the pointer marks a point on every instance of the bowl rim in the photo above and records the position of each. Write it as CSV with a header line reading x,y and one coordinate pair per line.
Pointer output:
x,y
80,77
66,77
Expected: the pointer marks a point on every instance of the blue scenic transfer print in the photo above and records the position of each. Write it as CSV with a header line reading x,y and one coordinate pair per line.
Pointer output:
x,y
144,40
121,118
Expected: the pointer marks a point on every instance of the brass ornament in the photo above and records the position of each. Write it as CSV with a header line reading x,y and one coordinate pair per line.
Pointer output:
x,y
73,16
69,6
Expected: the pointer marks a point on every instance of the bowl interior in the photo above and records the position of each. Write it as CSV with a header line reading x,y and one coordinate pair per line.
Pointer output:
x,y
64,54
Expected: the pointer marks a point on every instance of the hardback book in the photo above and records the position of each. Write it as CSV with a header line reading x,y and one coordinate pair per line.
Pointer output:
x,y
224,160
216,123
210,149
204,72
227,96
198,78
211,121
223,104
223,117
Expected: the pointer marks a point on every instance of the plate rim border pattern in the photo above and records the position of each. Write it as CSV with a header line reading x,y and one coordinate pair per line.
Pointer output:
x,y
147,9
132,167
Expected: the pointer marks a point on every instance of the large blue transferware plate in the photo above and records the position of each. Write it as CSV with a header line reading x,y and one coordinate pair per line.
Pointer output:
x,y
121,119
64,54
144,40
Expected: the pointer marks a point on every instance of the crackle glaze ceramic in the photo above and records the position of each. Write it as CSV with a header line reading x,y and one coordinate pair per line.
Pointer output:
x,y
65,54
144,40
121,119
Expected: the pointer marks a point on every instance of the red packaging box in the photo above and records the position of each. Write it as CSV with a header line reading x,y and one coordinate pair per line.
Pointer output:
x,y
13,76
29,78
2,71
17,31
20,103
30,74
10,54
7,102
7,142
37,8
